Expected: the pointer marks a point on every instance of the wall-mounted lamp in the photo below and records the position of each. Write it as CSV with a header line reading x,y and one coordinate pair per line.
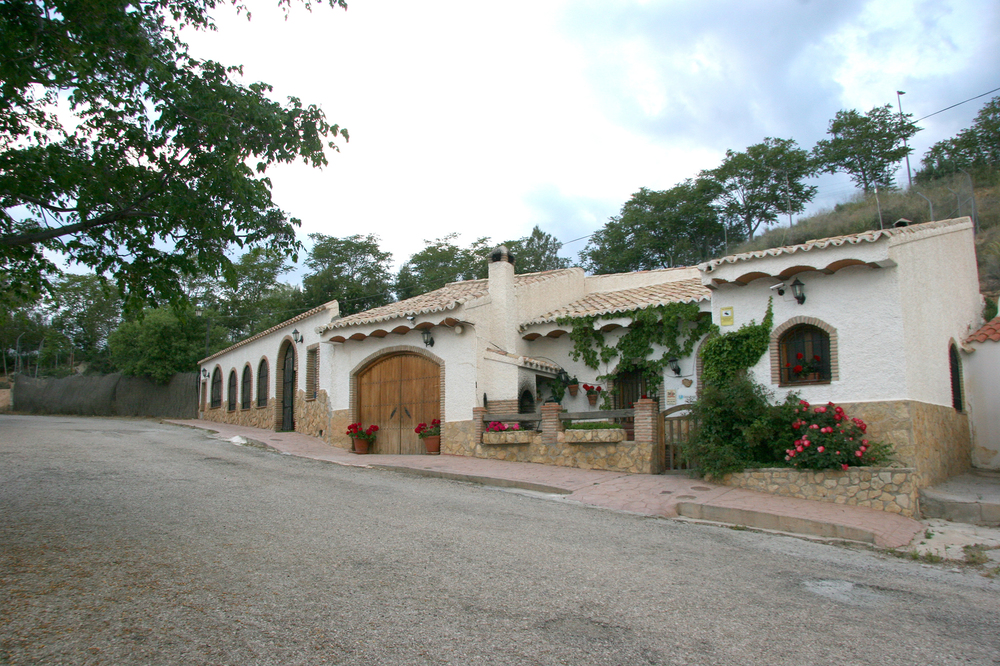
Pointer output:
x,y
798,291
428,338
205,374
296,336
674,365
563,376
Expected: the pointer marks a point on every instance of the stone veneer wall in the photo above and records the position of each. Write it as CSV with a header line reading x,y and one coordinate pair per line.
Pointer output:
x,y
934,440
884,488
255,417
312,417
5,401
554,446
339,420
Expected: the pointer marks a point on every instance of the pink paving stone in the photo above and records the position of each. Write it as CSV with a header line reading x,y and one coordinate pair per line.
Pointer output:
x,y
647,494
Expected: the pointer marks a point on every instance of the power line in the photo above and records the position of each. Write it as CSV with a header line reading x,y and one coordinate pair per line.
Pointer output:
x,y
959,104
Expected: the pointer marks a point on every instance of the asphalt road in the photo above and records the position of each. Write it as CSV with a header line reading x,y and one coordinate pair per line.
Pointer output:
x,y
131,542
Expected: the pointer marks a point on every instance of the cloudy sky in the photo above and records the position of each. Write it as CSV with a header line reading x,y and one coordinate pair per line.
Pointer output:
x,y
489,118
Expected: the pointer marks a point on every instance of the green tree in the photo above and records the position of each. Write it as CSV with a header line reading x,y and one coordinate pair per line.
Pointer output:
x,y
659,229
441,262
353,270
85,309
867,147
244,298
538,251
759,185
160,164
976,147
161,343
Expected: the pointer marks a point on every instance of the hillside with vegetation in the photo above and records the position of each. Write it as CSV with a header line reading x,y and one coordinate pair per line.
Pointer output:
x,y
948,196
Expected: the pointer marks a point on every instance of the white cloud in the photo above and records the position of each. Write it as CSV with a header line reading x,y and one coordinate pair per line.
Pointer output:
x,y
487,119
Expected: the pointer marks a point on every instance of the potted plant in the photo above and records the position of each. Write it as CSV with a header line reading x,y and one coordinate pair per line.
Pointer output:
x,y
592,393
363,438
431,435
573,385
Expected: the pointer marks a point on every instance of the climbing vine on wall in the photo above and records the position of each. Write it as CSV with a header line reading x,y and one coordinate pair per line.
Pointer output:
x,y
728,355
674,327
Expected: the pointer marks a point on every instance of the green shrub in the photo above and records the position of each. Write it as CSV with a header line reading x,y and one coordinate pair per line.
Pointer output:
x,y
738,427
592,425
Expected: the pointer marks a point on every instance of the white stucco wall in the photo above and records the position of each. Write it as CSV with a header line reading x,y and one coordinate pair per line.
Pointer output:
x,y
860,303
982,390
894,315
456,353
267,347
939,293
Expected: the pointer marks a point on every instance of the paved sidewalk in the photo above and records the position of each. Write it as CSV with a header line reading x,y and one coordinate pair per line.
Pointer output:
x,y
663,495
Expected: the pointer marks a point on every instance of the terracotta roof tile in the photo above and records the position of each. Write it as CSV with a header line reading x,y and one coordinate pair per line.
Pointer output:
x,y
623,300
835,241
439,300
305,315
447,297
989,331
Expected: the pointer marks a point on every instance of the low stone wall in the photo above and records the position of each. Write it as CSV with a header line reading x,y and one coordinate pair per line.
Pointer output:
x,y
888,489
585,449
605,436
5,400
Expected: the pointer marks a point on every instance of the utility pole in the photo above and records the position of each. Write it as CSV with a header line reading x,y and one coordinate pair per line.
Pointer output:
x,y
899,95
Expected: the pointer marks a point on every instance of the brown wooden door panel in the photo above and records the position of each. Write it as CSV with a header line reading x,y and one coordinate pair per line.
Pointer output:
x,y
396,394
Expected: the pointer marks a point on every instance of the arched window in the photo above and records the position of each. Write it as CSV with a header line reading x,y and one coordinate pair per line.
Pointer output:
x,y
246,390
956,378
217,389
804,355
232,390
263,384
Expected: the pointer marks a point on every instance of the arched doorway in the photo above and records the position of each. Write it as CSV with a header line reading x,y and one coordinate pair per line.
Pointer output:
x,y
288,388
396,393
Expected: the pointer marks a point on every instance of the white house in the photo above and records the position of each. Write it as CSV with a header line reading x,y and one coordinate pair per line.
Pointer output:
x,y
884,311
983,382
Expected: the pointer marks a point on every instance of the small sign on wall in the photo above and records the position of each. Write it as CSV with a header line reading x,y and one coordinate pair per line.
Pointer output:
x,y
671,396
727,316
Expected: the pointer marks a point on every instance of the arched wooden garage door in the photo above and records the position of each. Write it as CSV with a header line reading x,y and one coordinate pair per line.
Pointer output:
x,y
396,393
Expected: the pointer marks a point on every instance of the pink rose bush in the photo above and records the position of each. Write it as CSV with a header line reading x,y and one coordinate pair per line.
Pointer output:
x,y
828,439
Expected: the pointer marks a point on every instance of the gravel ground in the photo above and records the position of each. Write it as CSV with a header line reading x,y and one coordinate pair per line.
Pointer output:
x,y
130,542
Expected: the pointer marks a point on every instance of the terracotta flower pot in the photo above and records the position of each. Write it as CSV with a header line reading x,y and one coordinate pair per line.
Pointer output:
x,y
433,444
361,446
573,388
592,397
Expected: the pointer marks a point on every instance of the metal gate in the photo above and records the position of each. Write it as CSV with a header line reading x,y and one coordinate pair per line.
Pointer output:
x,y
676,425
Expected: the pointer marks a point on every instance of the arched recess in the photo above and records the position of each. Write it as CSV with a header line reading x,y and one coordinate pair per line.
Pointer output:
x,y
396,389
957,385
775,351
285,385
216,388
246,387
263,383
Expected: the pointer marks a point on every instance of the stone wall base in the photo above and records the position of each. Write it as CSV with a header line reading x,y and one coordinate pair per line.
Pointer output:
x,y
890,489
933,440
254,417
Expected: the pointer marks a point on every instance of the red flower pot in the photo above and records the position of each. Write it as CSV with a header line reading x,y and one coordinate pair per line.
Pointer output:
x,y
573,388
592,397
361,446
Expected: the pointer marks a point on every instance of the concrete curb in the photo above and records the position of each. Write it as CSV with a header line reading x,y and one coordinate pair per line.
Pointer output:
x,y
480,480
774,522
